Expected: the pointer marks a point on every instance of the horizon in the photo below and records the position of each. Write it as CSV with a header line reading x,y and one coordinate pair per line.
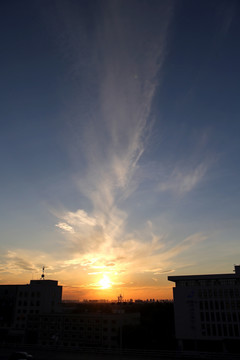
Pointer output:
x,y
119,143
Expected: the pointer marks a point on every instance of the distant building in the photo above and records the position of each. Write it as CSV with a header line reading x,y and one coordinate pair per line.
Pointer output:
x,y
207,310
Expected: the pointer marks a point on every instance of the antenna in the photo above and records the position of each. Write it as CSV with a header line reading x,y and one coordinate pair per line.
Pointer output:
x,y
43,275
120,298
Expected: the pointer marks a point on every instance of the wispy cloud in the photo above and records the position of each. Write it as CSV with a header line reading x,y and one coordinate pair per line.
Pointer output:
x,y
18,263
65,227
187,243
181,182
114,139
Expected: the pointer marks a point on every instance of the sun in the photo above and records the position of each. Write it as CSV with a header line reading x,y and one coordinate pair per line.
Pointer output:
x,y
105,282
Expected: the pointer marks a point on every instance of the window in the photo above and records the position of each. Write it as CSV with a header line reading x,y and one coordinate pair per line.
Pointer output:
x,y
236,330
208,330
219,330
229,318
207,316
225,330
210,293
214,330
212,316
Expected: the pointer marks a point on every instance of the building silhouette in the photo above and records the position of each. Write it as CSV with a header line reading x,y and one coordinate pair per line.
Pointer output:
x,y
207,311
18,302
34,314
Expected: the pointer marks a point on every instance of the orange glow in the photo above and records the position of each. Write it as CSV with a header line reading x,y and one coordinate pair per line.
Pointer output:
x,y
105,282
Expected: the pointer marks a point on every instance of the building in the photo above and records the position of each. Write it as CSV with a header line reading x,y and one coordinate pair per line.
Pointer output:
x,y
34,314
17,302
207,311
77,330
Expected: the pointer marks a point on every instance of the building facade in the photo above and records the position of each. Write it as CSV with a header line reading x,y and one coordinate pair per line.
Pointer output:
x,y
207,310
80,330
17,302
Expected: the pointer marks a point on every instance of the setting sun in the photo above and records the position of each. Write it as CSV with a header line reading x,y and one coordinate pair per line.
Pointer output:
x,y
105,282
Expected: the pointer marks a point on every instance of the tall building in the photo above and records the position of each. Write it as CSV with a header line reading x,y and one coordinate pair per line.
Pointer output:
x,y
207,310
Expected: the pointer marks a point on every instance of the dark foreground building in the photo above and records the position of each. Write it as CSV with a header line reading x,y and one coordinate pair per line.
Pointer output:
x,y
19,302
33,314
207,311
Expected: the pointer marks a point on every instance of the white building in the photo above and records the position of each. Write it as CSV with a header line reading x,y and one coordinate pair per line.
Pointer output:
x,y
207,307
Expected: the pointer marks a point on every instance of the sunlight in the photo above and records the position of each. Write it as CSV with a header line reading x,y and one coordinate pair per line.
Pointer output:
x,y
105,282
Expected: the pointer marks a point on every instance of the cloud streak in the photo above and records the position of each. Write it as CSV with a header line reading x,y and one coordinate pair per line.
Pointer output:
x,y
116,133
181,182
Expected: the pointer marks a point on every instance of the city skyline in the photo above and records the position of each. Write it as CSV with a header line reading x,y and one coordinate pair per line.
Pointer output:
x,y
119,143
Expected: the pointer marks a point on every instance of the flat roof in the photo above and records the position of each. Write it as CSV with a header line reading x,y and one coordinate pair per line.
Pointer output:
x,y
203,277
44,282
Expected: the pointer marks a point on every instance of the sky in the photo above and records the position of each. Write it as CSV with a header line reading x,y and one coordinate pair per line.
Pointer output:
x,y
119,143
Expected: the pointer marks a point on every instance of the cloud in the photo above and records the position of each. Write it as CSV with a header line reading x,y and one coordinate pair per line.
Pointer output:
x,y
110,136
80,217
13,262
75,221
181,182
65,227
158,271
184,245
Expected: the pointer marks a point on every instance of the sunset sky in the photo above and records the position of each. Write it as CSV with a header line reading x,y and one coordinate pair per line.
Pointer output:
x,y
119,143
